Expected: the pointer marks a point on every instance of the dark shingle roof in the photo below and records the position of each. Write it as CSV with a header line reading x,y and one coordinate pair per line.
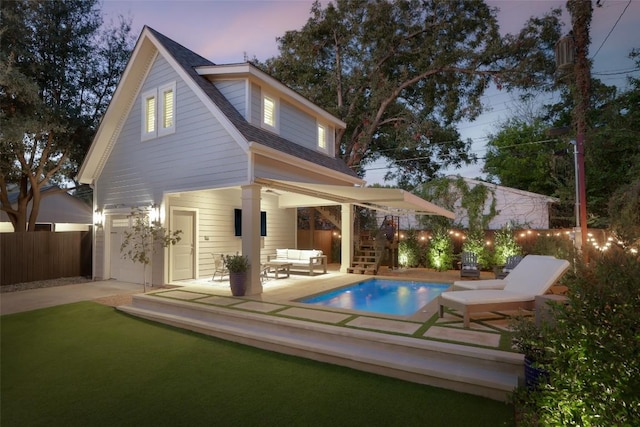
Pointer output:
x,y
190,60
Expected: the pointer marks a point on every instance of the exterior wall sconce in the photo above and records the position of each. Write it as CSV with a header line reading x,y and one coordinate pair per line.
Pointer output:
x,y
98,218
154,214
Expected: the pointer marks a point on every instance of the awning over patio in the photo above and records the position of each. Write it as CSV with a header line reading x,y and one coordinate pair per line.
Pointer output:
x,y
391,200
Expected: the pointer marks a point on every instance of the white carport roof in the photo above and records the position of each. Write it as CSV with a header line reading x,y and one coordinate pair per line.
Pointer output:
x,y
391,200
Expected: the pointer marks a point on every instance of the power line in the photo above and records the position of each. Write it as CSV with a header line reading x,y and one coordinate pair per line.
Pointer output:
x,y
610,31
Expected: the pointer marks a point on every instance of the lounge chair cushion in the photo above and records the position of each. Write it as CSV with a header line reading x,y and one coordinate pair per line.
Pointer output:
x,y
479,284
536,276
526,275
487,296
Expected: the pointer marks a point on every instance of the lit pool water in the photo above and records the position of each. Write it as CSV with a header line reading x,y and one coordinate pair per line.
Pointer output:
x,y
397,297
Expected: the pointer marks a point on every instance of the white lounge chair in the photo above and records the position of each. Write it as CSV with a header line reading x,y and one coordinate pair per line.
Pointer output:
x,y
526,270
519,292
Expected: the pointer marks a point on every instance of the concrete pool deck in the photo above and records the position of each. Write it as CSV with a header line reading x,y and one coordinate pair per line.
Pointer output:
x,y
421,348
279,294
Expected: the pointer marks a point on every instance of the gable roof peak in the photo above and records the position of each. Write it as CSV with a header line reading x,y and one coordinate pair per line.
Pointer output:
x,y
177,50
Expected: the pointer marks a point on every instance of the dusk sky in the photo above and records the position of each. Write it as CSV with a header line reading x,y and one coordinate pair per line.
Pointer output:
x,y
226,31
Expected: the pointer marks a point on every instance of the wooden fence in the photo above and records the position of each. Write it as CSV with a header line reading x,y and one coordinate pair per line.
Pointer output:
x,y
26,257
317,239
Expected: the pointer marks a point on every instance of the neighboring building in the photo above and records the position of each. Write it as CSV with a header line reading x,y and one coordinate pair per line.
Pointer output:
x,y
59,211
201,142
513,206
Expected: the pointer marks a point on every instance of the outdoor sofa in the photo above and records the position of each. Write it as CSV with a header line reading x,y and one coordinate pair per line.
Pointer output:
x,y
309,259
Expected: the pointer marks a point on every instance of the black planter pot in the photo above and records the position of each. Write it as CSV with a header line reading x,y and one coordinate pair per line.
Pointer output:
x,y
534,376
238,283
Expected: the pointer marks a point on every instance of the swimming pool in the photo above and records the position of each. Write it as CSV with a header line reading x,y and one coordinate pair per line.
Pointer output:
x,y
397,297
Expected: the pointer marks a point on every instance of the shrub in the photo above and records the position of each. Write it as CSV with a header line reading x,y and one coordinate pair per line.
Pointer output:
x,y
409,250
505,245
594,367
440,253
475,244
557,246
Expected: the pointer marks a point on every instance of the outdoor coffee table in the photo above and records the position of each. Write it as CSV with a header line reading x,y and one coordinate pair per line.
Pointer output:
x,y
278,267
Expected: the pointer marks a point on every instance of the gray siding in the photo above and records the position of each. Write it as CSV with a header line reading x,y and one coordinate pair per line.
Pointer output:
x,y
235,92
216,224
200,154
256,105
298,126
294,124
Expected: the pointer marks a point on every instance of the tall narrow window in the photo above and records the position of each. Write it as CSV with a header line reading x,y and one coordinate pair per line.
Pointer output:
x,y
168,109
322,137
151,115
149,110
269,111
167,113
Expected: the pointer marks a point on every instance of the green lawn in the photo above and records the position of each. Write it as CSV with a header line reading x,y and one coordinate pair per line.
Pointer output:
x,y
88,364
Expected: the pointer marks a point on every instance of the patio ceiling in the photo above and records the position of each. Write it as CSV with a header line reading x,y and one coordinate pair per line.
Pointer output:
x,y
392,200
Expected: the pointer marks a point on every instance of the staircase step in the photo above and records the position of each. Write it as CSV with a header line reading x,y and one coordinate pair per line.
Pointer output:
x,y
364,264
483,372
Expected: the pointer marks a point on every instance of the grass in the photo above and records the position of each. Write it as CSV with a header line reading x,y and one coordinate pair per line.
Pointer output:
x,y
88,364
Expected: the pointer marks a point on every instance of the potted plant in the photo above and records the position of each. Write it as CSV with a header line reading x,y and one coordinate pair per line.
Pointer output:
x,y
238,267
527,338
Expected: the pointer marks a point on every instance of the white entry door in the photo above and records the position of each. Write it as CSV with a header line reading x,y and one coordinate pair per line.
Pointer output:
x,y
120,268
183,252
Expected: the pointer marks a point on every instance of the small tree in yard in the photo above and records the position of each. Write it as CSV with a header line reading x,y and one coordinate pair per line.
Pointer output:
x,y
141,242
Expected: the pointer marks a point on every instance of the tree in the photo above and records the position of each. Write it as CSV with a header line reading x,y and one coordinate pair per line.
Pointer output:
x,y
143,239
520,155
402,73
58,70
612,154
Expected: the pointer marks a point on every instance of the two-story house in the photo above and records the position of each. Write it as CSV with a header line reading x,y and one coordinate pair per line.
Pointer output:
x,y
198,144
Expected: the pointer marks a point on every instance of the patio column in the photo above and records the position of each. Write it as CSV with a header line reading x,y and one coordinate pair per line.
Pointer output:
x,y
347,236
251,235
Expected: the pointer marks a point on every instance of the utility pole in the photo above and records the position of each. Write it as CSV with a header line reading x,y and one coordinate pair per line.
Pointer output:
x,y
581,12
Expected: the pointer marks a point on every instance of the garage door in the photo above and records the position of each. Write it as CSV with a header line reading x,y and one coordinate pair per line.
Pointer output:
x,y
122,269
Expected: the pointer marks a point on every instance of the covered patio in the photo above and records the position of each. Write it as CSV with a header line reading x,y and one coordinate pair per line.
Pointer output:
x,y
266,214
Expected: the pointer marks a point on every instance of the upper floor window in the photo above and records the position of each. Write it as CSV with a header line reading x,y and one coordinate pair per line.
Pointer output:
x,y
158,111
149,115
167,109
269,112
322,137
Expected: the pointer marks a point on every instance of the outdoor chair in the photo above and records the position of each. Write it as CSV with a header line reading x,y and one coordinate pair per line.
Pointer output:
x,y
533,276
512,262
219,267
469,265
